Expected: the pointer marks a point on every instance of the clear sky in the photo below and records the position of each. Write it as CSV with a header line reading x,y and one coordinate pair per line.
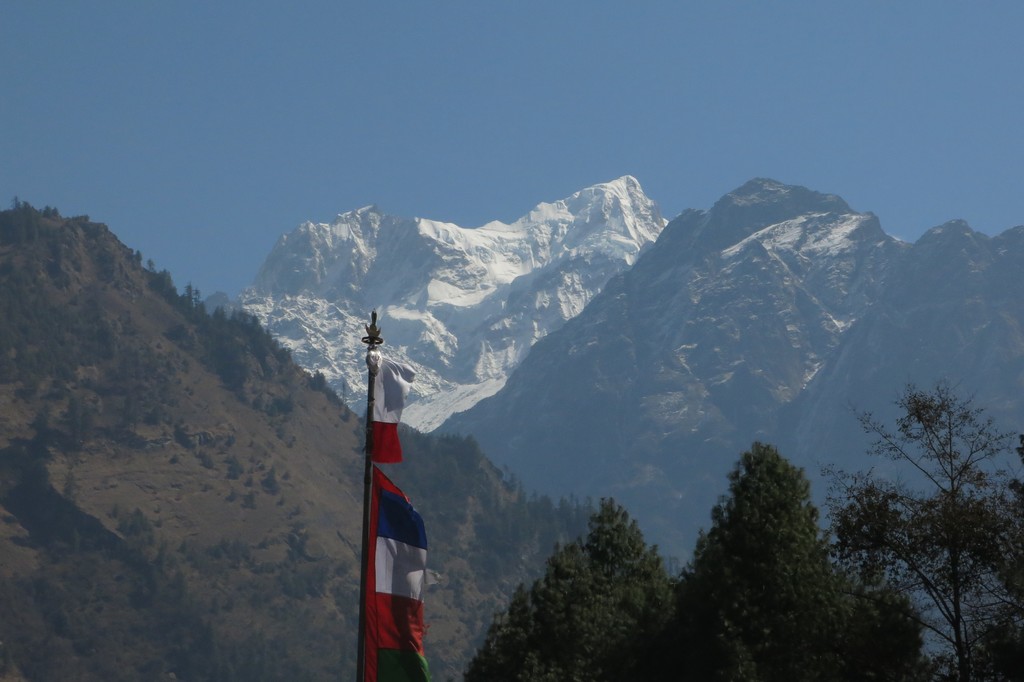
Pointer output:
x,y
202,131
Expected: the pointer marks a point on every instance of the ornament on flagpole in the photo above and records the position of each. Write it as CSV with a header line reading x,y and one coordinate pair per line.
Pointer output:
x,y
372,337
373,356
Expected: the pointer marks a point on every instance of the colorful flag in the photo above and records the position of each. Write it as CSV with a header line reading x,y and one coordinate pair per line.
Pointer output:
x,y
394,590
390,389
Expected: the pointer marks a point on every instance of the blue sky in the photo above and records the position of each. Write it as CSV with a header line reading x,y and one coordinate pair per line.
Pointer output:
x,y
200,132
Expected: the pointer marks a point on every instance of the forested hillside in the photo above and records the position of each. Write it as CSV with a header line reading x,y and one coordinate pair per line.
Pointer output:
x,y
179,500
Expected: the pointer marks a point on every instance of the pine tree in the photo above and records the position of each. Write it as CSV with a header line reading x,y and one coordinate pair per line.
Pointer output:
x,y
590,618
760,600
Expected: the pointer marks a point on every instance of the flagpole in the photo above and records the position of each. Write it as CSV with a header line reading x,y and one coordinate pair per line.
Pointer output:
x,y
372,341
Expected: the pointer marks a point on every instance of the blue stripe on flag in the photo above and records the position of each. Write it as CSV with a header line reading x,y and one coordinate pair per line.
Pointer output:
x,y
399,521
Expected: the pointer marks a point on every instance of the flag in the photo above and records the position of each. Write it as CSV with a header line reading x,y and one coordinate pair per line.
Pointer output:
x,y
390,388
394,591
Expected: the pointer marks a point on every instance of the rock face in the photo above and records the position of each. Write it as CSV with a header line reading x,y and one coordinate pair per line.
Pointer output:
x,y
951,308
463,306
773,316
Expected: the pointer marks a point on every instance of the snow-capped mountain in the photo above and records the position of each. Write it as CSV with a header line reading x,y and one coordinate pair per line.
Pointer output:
x,y
462,305
773,316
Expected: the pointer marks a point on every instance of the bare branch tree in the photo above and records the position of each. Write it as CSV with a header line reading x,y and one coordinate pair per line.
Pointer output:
x,y
943,536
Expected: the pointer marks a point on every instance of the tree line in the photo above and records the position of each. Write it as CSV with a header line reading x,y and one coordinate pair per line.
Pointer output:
x,y
916,577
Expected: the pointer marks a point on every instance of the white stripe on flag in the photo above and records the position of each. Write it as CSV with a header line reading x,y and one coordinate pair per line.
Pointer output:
x,y
401,568
391,388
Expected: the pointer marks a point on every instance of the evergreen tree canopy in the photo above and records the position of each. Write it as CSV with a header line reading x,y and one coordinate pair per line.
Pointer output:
x,y
760,600
591,617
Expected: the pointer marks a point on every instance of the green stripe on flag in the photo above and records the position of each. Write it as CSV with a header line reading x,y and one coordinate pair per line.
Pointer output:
x,y
401,666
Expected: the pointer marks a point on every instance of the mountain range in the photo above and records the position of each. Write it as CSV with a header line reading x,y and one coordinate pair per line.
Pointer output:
x,y
779,314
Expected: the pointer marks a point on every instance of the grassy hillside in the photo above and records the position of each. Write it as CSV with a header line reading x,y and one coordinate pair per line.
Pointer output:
x,y
178,497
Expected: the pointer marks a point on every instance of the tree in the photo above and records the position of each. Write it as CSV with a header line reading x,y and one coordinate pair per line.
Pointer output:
x,y
760,599
591,617
1008,647
943,535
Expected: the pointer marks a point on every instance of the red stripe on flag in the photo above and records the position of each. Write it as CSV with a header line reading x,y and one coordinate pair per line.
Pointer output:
x,y
404,628
386,448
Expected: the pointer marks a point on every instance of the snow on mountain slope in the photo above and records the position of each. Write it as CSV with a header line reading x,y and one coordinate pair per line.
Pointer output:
x,y
462,305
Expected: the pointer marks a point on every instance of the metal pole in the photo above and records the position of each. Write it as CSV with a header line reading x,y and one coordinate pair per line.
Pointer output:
x,y
373,357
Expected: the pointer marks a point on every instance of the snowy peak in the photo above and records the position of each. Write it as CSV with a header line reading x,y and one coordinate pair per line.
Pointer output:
x,y
462,305
622,198
607,222
314,254
757,204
